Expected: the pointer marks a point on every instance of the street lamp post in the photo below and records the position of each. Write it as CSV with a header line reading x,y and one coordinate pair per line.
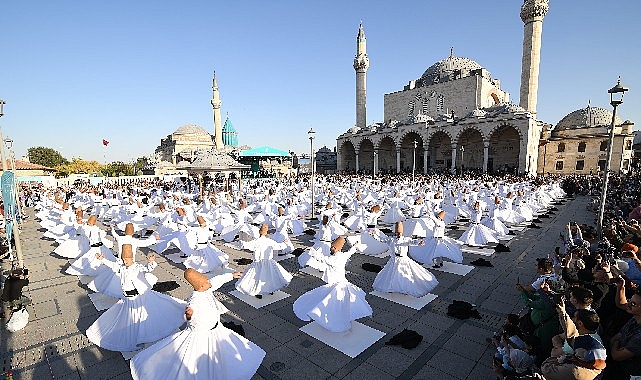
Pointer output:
x,y
616,99
462,152
414,159
311,134
374,165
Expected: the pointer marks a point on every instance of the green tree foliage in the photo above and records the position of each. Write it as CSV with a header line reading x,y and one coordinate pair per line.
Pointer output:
x,y
118,168
79,166
46,157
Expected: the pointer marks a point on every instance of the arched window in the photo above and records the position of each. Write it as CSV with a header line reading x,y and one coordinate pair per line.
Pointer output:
x,y
582,146
604,146
628,145
561,147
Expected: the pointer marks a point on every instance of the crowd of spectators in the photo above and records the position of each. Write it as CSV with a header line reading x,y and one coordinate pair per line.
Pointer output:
x,y
584,308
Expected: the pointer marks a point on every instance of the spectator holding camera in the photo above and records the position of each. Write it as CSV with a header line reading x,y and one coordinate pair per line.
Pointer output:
x,y
582,356
629,255
625,347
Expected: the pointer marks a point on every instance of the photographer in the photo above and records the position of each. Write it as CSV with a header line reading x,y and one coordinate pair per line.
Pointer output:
x,y
12,297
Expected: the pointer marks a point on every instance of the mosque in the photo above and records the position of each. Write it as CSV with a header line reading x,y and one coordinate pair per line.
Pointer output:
x,y
456,116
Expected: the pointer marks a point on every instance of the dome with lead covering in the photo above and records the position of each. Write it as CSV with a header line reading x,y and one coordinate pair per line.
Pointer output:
x,y
587,117
191,129
446,69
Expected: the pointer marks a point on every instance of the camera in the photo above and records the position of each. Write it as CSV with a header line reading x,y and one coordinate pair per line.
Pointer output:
x,y
25,271
557,298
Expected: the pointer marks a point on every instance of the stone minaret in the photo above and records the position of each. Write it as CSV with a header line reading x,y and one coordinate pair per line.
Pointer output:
x,y
216,103
532,13
361,64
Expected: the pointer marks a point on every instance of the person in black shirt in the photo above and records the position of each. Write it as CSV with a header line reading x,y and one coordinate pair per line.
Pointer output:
x,y
12,297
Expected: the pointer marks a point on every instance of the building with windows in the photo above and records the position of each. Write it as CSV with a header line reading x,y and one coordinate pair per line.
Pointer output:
x,y
456,116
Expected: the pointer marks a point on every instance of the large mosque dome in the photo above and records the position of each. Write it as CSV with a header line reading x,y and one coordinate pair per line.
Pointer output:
x,y
449,68
587,117
191,129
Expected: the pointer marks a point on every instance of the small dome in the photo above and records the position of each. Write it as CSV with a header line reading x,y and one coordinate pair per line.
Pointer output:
x,y
505,108
190,129
444,70
587,117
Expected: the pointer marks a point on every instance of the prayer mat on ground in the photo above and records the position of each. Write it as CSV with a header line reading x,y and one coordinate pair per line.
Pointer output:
x,y
351,342
257,303
453,268
406,300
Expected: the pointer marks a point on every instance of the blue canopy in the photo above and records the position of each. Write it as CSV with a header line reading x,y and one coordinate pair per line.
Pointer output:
x,y
264,151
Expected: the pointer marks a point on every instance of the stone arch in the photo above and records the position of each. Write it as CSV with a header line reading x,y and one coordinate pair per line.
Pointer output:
x,y
439,151
411,157
471,156
504,149
366,156
348,156
386,155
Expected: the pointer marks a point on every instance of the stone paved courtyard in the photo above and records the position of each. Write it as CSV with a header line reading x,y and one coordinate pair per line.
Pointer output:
x,y
53,345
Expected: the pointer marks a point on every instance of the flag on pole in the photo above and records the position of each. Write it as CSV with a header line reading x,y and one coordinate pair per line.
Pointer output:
x,y
105,142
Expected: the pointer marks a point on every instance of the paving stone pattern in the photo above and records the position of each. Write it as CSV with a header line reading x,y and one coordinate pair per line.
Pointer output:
x,y
53,345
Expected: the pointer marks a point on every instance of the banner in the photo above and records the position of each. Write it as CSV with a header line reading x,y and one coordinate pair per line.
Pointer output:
x,y
8,196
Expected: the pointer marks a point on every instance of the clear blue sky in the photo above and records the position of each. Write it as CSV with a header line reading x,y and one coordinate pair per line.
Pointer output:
x,y
132,72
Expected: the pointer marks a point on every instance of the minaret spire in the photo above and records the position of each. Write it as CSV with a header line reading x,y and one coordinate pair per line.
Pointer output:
x,y
361,64
532,14
216,103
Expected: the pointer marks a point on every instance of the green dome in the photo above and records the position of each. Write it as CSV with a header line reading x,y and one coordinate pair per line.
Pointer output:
x,y
230,136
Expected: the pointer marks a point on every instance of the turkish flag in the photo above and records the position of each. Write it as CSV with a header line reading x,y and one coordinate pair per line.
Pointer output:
x,y
105,142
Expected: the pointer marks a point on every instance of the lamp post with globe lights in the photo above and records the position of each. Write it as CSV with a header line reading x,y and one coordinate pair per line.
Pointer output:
x,y
616,99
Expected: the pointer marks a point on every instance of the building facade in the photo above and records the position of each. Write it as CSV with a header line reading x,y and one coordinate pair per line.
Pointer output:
x,y
456,116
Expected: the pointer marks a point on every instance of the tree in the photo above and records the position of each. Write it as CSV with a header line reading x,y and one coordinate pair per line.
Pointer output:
x,y
78,165
46,157
117,169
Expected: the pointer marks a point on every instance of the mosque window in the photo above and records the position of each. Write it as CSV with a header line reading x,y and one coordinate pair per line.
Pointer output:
x,y
580,164
561,147
440,101
582,146
559,165
604,146
601,165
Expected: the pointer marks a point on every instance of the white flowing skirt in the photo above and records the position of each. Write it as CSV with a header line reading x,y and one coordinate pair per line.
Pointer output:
x,y
72,247
262,277
478,235
206,259
197,353
495,225
437,247
136,320
404,275
333,306
88,265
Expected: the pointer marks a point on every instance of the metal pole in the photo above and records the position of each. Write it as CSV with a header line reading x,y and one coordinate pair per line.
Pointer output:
x,y
374,165
606,175
311,167
413,160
